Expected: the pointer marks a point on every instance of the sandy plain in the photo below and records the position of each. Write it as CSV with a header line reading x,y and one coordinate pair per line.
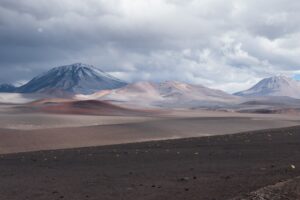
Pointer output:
x,y
34,130
94,150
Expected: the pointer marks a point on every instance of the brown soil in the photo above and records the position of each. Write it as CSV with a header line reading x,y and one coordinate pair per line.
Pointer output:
x,y
85,107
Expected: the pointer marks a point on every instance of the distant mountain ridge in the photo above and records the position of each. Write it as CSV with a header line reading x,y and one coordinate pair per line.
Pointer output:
x,y
76,78
91,82
168,93
273,86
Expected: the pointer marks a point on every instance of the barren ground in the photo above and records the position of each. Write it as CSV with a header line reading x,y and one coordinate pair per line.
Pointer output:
x,y
240,166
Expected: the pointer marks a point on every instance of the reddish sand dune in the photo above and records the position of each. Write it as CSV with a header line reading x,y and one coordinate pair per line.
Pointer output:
x,y
86,107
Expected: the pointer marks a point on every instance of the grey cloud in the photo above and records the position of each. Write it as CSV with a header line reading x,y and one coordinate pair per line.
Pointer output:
x,y
220,43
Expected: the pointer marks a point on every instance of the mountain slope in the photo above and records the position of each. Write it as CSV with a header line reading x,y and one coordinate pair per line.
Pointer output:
x,y
273,86
7,88
76,78
166,94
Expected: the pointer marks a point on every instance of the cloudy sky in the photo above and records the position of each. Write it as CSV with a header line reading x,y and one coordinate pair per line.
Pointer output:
x,y
225,44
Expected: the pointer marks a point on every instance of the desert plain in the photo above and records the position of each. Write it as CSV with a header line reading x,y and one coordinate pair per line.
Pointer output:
x,y
70,150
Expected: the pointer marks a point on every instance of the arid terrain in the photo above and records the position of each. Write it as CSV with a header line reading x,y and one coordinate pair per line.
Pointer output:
x,y
97,150
149,100
28,127
253,165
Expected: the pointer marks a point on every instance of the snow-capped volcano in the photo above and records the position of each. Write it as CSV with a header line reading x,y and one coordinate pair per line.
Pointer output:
x,y
273,86
76,78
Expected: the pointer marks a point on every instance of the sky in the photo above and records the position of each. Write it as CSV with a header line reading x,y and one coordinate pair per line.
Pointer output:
x,y
224,44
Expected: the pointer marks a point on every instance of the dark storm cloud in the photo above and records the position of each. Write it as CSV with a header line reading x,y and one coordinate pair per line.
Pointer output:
x,y
194,41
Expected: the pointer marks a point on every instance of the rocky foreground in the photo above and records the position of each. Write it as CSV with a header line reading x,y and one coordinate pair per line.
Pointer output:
x,y
254,165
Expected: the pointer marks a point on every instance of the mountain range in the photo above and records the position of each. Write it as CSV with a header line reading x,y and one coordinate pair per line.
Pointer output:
x,y
81,81
166,94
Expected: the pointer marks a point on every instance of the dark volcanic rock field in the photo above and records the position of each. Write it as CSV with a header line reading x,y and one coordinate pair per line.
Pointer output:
x,y
210,168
